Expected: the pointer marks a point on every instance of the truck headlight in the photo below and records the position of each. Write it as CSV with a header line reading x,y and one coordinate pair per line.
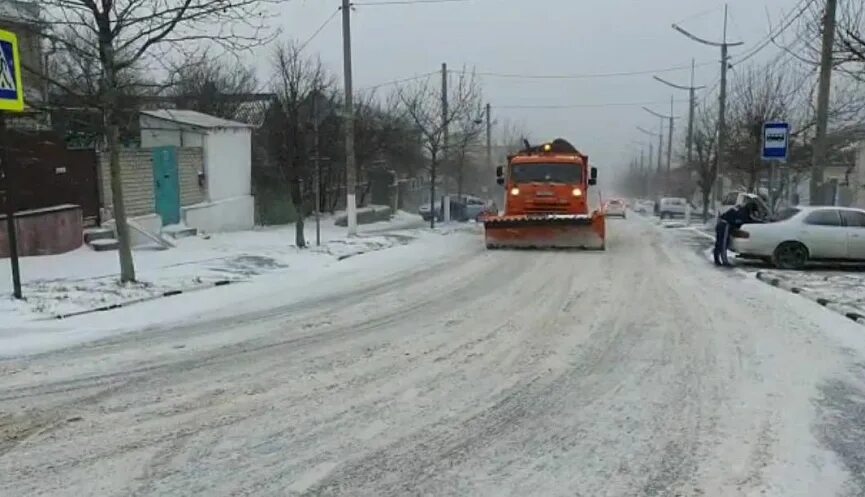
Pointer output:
x,y
577,192
515,191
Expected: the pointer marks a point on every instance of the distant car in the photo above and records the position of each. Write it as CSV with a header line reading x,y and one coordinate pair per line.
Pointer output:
x,y
798,235
615,207
464,208
473,207
670,207
644,206
426,213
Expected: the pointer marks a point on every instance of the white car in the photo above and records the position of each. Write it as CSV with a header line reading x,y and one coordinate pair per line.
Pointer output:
x,y
671,207
802,234
615,207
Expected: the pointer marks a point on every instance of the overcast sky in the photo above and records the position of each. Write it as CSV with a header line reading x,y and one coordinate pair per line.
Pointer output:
x,y
544,37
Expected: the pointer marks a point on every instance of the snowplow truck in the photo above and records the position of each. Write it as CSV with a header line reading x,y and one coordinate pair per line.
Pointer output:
x,y
546,201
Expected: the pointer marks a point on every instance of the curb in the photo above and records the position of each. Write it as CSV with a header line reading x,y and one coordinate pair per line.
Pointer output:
x,y
168,293
829,304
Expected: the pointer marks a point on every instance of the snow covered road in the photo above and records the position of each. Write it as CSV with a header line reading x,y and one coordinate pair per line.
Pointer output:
x,y
638,371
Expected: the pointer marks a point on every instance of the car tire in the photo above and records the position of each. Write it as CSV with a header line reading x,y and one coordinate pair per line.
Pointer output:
x,y
790,255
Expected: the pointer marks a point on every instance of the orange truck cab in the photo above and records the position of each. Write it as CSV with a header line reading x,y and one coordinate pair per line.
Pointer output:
x,y
546,200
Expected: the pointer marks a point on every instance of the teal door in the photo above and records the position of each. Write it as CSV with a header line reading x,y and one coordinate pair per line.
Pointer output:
x,y
166,186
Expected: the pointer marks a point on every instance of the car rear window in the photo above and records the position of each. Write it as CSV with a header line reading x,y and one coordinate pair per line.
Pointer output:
x,y
824,217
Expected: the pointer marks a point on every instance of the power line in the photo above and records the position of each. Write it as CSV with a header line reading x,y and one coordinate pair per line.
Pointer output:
x,y
583,106
583,76
319,30
783,26
398,81
404,2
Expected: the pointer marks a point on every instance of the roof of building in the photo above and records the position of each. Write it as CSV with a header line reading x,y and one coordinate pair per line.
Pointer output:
x,y
193,118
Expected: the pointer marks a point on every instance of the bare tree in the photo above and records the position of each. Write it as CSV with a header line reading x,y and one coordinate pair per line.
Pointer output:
x,y
469,128
121,34
513,136
297,80
758,95
851,34
705,152
213,86
422,104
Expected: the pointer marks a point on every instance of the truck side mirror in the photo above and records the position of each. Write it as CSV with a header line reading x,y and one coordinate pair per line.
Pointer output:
x,y
500,171
593,176
500,180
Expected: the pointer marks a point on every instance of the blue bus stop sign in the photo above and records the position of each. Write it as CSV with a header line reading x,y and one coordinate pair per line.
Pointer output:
x,y
776,141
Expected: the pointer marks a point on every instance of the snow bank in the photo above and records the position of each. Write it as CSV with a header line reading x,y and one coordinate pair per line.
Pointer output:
x,y
83,279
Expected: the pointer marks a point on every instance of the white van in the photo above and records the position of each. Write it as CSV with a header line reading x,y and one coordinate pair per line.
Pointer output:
x,y
670,207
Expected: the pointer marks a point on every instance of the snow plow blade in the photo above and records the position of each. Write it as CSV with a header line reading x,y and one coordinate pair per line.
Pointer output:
x,y
546,231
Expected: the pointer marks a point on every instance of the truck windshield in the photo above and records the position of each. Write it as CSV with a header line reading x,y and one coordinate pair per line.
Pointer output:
x,y
546,173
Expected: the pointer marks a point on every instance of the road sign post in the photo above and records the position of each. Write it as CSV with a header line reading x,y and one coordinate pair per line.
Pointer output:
x,y
776,148
11,100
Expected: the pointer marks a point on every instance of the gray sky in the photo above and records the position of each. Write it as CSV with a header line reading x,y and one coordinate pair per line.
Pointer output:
x,y
543,37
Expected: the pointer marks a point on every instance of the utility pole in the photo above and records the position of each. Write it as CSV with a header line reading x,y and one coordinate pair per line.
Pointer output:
x,y
444,151
670,139
722,99
651,153
692,101
317,164
660,146
9,201
445,124
818,159
722,114
651,147
664,118
350,161
489,137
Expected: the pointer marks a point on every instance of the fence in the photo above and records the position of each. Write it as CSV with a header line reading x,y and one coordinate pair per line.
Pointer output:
x,y
48,174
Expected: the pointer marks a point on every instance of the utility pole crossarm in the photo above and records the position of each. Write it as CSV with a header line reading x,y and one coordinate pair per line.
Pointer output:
x,y
650,133
707,42
650,111
678,87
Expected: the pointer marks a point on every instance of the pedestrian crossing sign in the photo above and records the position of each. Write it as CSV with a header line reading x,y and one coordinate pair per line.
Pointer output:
x,y
11,89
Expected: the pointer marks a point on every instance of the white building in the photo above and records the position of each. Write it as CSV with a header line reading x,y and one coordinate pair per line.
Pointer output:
x,y
226,173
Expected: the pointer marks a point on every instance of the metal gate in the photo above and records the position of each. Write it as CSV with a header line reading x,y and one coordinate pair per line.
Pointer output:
x,y
48,174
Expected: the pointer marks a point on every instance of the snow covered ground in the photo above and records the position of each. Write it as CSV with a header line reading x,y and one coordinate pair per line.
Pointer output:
x,y
844,288
83,279
641,370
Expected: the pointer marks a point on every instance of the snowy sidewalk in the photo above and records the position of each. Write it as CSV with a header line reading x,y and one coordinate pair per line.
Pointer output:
x,y
85,280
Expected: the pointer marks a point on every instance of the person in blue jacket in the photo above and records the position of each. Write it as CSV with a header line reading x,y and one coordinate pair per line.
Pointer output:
x,y
729,222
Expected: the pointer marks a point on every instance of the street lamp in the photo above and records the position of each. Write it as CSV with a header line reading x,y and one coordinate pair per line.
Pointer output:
x,y
670,138
722,99
691,106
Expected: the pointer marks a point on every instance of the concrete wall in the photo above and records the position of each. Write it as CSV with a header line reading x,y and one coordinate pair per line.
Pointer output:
x,y
137,172
228,163
53,230
234,214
